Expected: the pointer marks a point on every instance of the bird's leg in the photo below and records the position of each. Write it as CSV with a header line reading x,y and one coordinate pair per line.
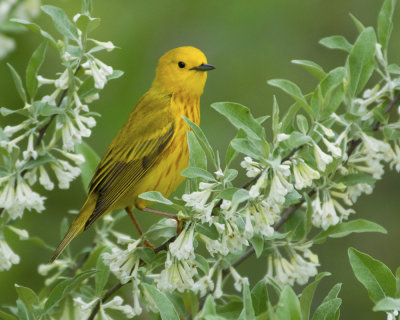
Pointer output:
x,y
167,215
136,223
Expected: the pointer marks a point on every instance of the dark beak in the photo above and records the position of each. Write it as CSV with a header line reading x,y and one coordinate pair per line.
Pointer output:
x,y
203,67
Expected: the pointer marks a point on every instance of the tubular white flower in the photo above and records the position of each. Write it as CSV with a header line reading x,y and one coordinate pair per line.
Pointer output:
x,y
333,149
43,81
280,187
79,105
282,137
252,167
11,130
327,131
51,99
109,46
182,247
92,97
7,256
62,81
65,173
395,157
304,174
27,198
10,145
117,304
375,147
30,151
321,158
77,158
239,280
177,275
218,288
204,284
44,179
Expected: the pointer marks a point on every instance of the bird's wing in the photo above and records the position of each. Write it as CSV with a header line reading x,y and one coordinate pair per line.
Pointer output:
x,y
132,152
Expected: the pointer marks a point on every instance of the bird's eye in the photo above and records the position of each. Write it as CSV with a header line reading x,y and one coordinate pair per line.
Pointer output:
x,y
181,64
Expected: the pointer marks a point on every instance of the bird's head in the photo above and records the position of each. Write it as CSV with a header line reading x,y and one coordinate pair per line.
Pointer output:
x,y
182,70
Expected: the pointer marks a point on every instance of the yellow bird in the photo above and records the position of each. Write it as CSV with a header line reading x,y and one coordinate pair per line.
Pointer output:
x,y
150,150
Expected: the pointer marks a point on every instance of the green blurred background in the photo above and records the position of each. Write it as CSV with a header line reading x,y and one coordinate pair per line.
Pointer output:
x,y
249,42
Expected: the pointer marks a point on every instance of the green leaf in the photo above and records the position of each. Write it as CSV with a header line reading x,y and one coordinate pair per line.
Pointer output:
x,y
259,296
87,24
161,230
296,139
227,194
332,92
27,296
359,25
202,263
23,311
194,173
258,244
240,196
89,166
6,316
41,160
201,138
327,310
209,306
289,116
334,292
231,175
391,132
308,294
302,123
146,254
62,289
393,68
293,90
275,118
345,228
385,22
308,215
155,196
164,305
61,22
35,28
374,275
45,109
246,147
198,158
102,274
288,305
87,7
356,178
361,61
336,42
248,309
208,230
387,304
241,118
18,83
33,66
315,69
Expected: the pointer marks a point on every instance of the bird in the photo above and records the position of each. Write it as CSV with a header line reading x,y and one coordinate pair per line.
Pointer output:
x,y
150,150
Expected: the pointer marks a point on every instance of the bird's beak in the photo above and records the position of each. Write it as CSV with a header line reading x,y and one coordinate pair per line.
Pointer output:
x,y
203,67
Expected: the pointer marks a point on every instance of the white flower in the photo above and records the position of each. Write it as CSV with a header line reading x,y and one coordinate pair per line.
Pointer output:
x,y
333,149
7,256
239,281
204,284
44,179
177,275
395,157
65,173
117,304
30,151
109,46
252,167
282,137
99,71
92,97
379,54
182,247
263,218
43,80
327,131
21,233
218,288
60,265
51,99
77,158
321,158
375,147
10,130
124,264
280,187
304,174
79,105
10,145
62,81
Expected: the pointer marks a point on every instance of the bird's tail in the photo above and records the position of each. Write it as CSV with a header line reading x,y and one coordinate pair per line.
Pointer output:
x,y
77,226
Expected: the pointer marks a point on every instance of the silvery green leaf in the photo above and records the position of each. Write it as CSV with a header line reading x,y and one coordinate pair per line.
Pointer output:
x,y
336,42
61,22
241,118
89,166
198,157
361,61
154,196
163,304
35,28
373,274
312,67
385,22
288,305
194,173
18,83
33,66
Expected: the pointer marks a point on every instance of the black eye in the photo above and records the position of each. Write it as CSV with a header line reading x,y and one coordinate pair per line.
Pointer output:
x,y
181,64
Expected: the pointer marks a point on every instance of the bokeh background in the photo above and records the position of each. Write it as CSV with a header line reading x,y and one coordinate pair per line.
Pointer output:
x,y
249,42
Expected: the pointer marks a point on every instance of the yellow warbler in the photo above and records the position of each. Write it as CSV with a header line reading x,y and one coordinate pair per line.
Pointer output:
x,y
150,150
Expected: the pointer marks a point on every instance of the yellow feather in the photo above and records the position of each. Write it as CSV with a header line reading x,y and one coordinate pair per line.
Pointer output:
x,y
150,150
